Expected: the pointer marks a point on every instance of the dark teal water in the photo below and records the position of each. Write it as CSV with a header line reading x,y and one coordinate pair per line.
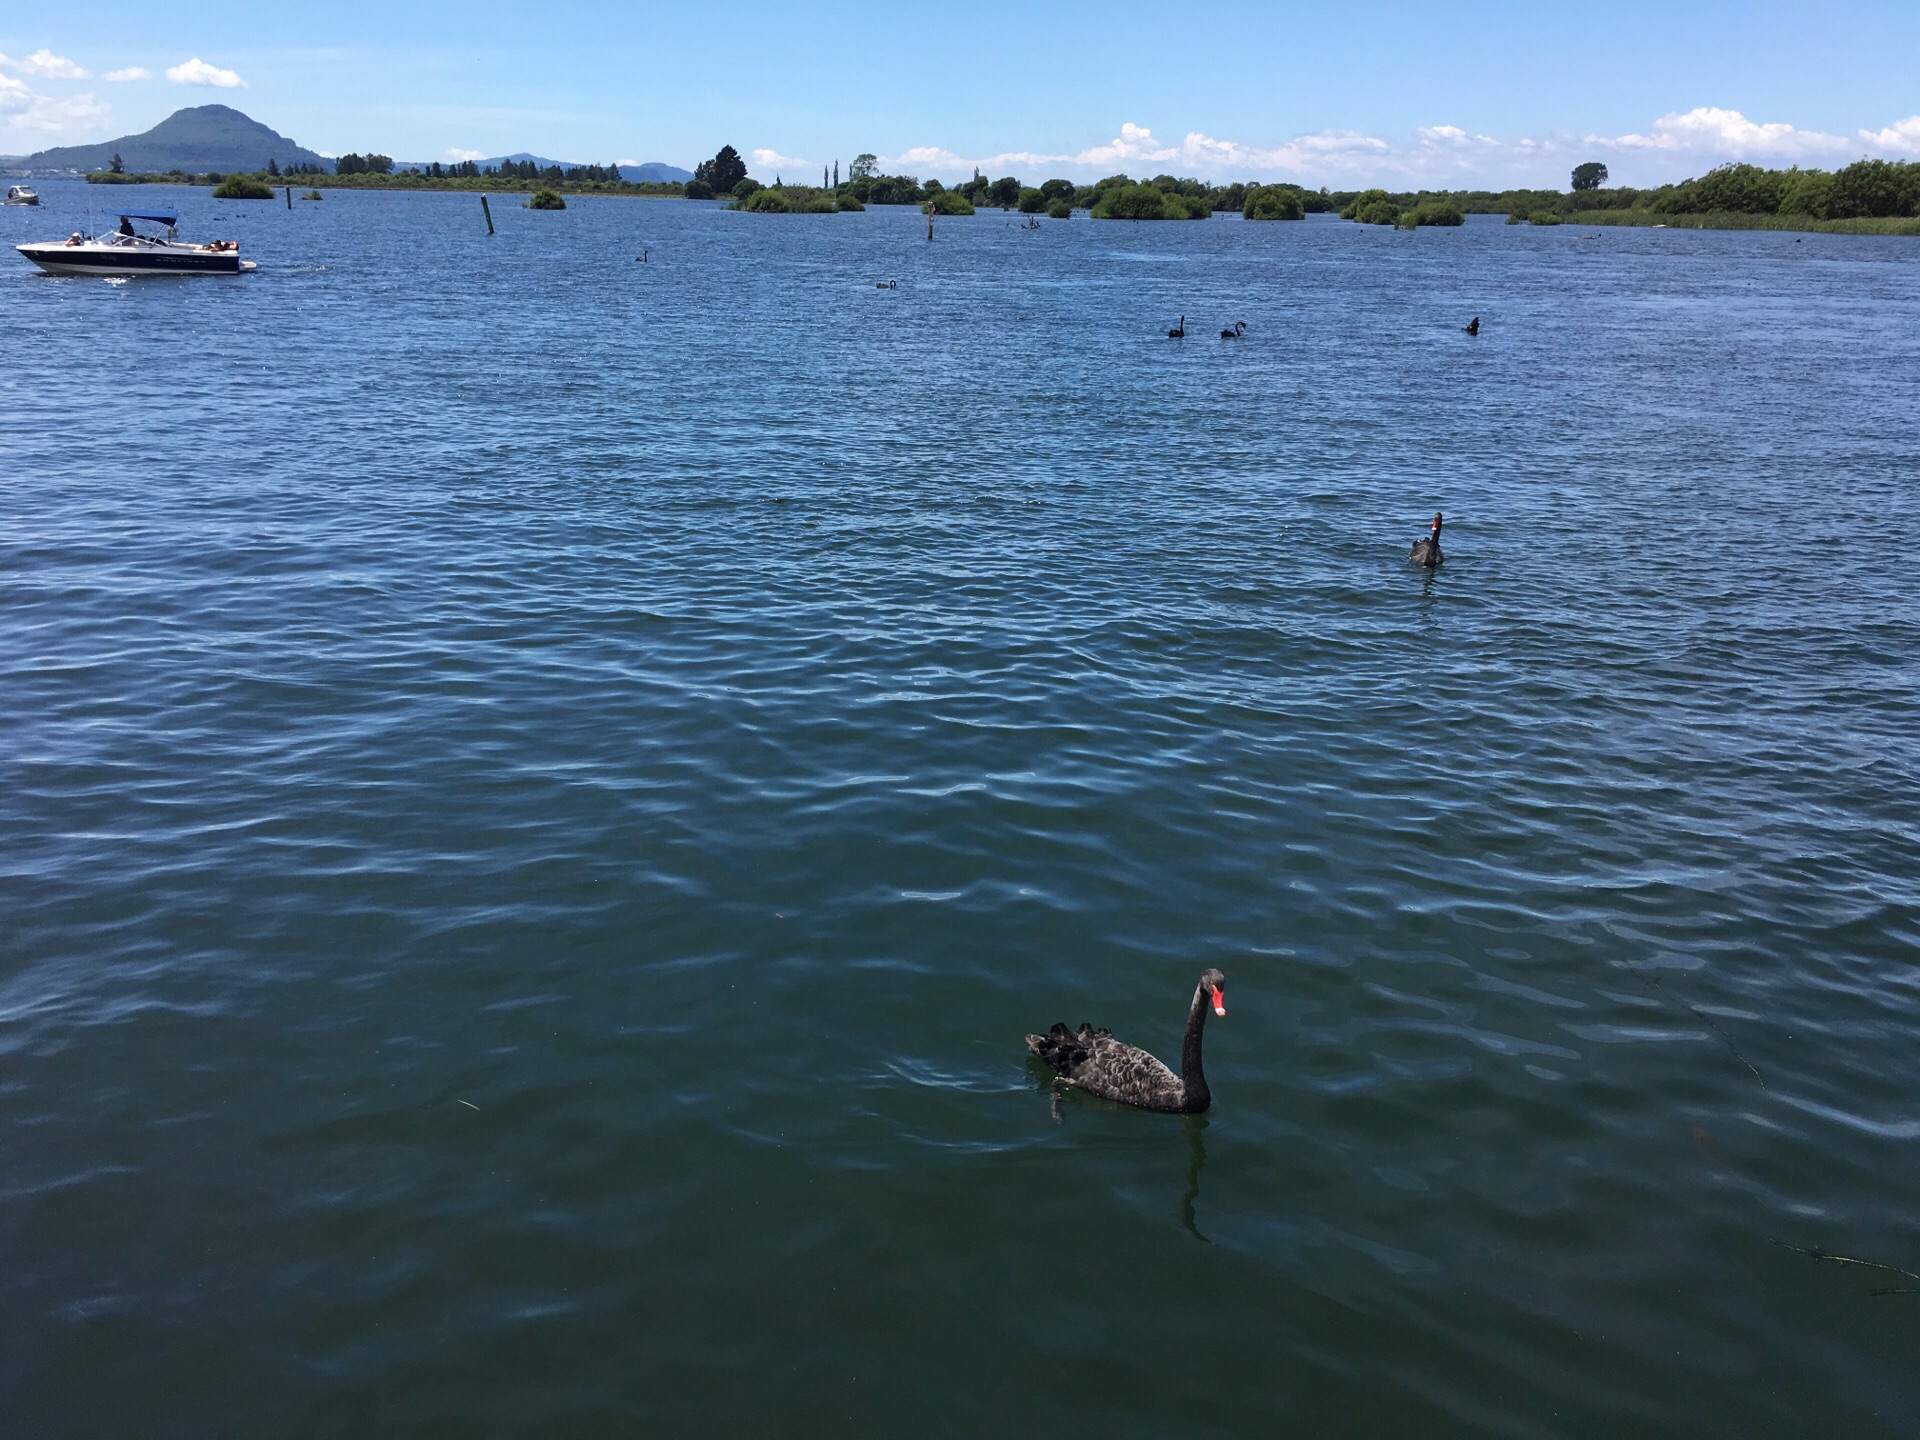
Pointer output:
x,y
541,793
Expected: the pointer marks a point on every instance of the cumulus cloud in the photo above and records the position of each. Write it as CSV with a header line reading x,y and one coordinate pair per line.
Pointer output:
x,y
24,109
774,160
626,162
458,154
1710,130
132,72
1901,138
45,62
198,72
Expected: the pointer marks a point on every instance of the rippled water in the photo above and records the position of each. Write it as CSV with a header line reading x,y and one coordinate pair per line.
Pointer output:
x,y
542,792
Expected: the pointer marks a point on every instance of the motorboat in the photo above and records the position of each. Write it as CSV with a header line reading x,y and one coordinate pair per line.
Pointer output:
x,y
131,251
21,195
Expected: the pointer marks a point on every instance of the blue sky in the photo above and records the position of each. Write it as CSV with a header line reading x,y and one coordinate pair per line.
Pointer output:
x,y
1371,90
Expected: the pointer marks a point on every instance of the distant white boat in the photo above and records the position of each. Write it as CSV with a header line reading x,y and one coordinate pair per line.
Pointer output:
x,y
127,251
21,195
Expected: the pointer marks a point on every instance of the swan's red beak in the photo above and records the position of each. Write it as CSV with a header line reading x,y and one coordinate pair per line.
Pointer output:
x,y
1219,1001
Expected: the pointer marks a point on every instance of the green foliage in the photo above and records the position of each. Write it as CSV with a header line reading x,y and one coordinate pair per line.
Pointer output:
x,y
1032,202
746,188
1746,189
242,187
273,168
766,201
1807,192
544,199
117,167
1274,202
1371,207
1543,217
1127,201
1004,192
1436,211
1590,176
847,202
1874,189
895,190
352,164
1058,190
863,167
1059,210
724,171
699,190
949,202
313,195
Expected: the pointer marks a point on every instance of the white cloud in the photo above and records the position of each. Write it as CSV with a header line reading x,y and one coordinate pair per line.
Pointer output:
x,y
458,154
626,162
1729,134
23,109
132,72
45,62
198,72
774,160
1902,137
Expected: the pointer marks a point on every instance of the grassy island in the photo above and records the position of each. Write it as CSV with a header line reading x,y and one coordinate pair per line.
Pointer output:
x,y
547,200
242,187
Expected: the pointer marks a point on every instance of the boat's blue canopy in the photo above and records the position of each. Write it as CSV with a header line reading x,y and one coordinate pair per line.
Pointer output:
x,y
159,217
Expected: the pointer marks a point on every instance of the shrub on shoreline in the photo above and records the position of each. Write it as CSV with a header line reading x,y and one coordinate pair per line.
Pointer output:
x,y
1274,202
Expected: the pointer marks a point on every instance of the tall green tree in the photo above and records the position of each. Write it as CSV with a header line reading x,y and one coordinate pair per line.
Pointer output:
x,y
724,171
1590,176
118,167
864,167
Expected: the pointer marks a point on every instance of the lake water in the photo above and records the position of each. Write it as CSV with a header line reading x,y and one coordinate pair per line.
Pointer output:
x,y
541,793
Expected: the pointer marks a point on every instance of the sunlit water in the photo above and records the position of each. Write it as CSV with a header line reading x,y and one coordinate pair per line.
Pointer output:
x,y
540,794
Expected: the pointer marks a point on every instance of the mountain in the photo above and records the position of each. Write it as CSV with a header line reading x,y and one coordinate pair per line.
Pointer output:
x,y
205,137
654,170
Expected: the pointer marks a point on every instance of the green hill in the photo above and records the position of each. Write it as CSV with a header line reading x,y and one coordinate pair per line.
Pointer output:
x,y
206,137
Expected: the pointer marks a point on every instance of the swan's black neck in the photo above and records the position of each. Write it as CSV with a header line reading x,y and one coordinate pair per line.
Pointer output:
x,y
1192,1079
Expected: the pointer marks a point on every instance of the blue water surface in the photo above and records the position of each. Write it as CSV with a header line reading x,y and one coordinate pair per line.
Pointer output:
x,y
541,792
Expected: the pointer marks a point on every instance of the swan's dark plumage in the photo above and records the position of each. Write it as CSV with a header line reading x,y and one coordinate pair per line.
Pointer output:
x,y
1094,1061
1427,552
1473,326
1239,329
1179,332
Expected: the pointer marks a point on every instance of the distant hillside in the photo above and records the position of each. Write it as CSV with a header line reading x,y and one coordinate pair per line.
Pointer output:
x,y
653,170
205,137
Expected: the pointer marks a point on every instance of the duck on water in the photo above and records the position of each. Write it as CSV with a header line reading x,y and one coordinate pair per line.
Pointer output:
x,y
1092,1060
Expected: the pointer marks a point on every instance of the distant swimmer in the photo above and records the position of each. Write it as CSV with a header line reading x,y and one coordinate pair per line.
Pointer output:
x,y
1474,328
1427,552
1178,332
1239,329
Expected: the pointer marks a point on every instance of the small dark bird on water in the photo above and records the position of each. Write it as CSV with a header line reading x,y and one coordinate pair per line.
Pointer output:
x,y
1473,327
641,258
1178,332
1239,329
1427,552
1092,1060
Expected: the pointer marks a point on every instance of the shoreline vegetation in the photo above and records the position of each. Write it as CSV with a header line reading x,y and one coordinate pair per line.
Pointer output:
x,y
1870,197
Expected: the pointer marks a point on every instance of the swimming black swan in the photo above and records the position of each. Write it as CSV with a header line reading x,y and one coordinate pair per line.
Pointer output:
x,y
1427,552
1178,332
1473,326
1239,329
1099,1064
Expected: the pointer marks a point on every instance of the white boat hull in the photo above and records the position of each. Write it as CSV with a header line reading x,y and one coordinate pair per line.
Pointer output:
x,y
57,257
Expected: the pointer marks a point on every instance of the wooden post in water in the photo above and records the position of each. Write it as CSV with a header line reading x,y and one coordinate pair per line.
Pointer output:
x,y
929,219
289,197
487,210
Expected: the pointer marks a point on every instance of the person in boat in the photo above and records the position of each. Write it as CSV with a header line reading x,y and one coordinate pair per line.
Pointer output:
x,y
76,239
126,227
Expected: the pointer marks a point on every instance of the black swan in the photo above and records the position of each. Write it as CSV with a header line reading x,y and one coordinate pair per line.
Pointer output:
x,y
1099,1064
1239,329
1473,326
1427,552
1178,332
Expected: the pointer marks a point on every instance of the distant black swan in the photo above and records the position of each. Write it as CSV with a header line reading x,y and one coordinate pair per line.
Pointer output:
x,y
1099,1064
1473,326
1427,552
1178,332
1239,329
